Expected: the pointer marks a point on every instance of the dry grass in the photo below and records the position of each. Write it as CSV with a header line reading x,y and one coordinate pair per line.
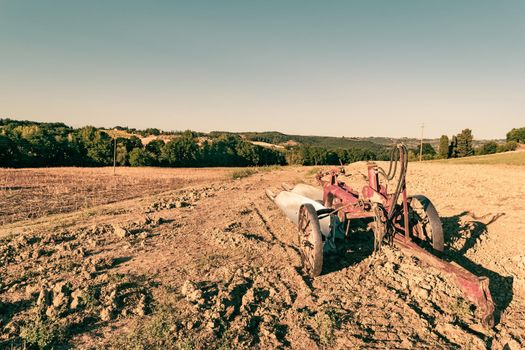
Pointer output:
x,y
34,193
242,173
508,158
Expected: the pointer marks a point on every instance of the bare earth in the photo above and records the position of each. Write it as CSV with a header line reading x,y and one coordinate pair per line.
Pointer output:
x,y
189,258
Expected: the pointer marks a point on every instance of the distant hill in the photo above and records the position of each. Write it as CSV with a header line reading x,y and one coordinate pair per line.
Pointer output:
x,y
278,138
265,138
371,143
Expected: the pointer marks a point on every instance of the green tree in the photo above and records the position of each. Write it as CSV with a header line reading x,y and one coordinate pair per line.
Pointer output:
x,y
221,151
488,148
134,142
428,151
453,147
464,143
517,135
16,149
247,153
8,151
155,147
141,157
444,147
331,158
41,146
98,145
182,151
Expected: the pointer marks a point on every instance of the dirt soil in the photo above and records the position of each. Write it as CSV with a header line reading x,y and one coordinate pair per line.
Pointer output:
x,y
35,193
212,263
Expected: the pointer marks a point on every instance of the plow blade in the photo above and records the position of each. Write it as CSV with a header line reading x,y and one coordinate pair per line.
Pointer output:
x,y
475,289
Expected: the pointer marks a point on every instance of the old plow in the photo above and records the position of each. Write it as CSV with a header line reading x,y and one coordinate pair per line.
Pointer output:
x,y
324,214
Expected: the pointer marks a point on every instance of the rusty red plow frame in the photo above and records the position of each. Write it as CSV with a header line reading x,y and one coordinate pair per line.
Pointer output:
x,y
410,223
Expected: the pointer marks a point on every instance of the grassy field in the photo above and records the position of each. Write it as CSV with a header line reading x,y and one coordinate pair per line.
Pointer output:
x,y
509,158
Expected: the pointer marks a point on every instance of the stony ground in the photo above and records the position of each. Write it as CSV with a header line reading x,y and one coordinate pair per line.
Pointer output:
x,y
212,263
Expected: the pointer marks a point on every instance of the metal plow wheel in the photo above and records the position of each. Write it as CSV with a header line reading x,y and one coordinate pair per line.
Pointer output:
x,y
310,240
425,222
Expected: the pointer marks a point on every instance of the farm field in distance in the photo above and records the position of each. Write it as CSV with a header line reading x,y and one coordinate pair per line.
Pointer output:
x,y
194,258
509,158
37,192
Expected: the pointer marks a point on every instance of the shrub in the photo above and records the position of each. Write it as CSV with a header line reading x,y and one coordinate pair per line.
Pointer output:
x,y
241,173
489,148
509,146
42,333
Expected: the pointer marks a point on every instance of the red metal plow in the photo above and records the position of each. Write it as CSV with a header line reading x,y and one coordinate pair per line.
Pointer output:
x,y
411,223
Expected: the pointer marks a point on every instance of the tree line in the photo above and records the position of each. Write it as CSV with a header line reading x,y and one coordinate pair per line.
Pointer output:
x,y
462,145
33,144
30,144
312,155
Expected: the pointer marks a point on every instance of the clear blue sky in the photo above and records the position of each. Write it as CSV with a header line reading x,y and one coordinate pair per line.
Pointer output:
x,y
352,68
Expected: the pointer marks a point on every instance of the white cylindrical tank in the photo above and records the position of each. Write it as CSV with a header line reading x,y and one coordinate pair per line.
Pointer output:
x,y
290,203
